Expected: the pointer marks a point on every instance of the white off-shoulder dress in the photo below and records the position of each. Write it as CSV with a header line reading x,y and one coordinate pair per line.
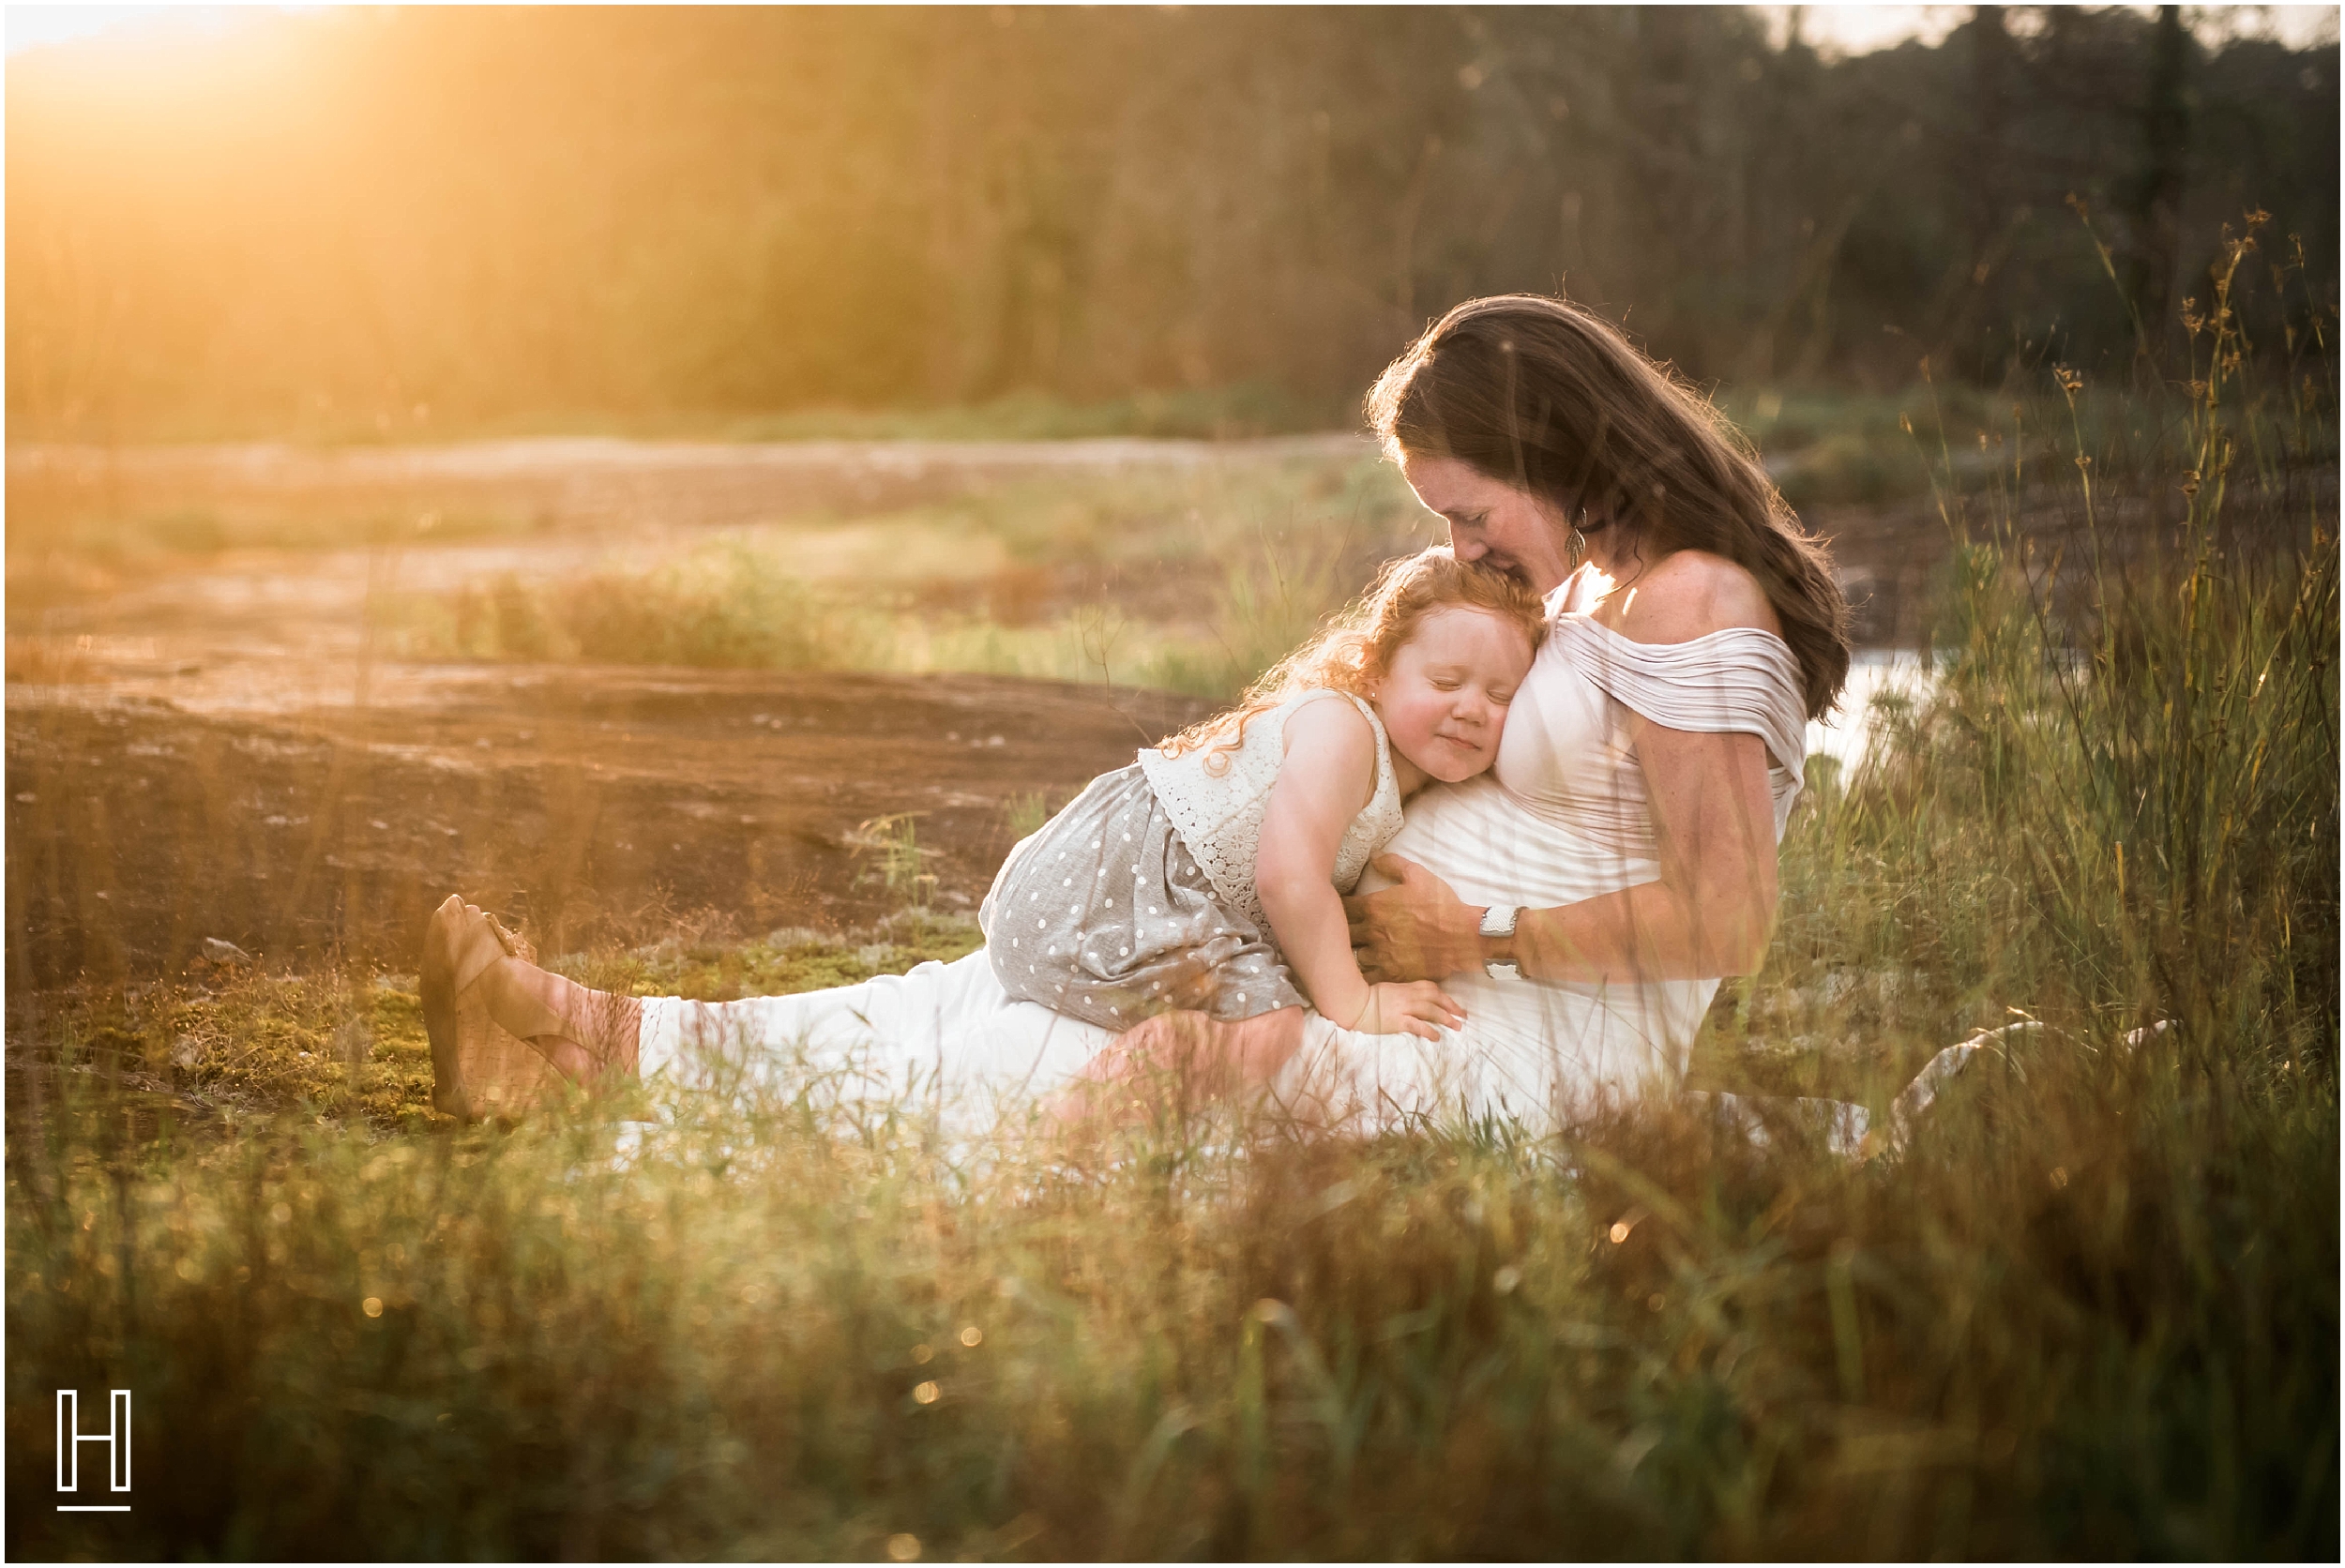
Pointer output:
x,y
1561,818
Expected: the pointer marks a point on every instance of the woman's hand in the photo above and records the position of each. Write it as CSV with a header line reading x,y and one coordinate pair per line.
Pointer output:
x,y
1417,1007
1418,931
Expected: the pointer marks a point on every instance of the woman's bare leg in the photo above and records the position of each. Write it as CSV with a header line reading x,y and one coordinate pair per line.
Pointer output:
x,y
470,961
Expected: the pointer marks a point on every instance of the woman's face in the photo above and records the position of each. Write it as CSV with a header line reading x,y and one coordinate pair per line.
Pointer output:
x,y
1511,529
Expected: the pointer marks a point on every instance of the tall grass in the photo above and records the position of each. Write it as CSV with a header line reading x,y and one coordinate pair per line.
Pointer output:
x,y
726,606
1188,577
736,605
2091,1311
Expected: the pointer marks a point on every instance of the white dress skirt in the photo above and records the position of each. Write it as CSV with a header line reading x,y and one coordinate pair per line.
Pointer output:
x,y
1561,818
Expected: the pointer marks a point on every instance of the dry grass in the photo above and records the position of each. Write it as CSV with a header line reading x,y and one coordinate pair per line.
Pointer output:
x,y
2092,1312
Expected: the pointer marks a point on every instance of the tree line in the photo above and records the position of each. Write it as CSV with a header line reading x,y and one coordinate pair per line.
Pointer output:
x,y
437,221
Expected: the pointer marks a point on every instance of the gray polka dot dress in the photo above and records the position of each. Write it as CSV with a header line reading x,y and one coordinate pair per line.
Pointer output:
x,y
1106,917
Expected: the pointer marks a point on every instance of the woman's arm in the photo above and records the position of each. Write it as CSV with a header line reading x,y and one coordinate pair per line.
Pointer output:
x,y
1709,914
1327,778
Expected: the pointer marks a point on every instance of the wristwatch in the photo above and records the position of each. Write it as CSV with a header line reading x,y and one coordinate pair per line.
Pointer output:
x,y
1499,921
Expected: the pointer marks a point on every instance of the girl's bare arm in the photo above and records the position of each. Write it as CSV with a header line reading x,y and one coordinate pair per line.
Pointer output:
x,y
1328,780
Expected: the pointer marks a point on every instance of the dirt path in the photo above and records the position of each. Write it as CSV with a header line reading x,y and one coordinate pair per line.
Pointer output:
x,y
431,518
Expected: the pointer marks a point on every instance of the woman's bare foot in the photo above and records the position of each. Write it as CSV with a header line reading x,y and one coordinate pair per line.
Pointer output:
x,y
503,1032
458,945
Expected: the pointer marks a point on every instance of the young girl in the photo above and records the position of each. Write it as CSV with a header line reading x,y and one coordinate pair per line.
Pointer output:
x,y
1208,874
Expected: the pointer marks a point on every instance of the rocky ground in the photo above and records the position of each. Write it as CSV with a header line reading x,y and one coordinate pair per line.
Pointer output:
x,y
146,814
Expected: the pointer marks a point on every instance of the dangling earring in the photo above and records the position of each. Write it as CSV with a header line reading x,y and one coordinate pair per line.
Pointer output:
x,y
1579,547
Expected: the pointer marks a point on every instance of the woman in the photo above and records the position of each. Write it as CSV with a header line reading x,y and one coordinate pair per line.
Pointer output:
x,y
1582,901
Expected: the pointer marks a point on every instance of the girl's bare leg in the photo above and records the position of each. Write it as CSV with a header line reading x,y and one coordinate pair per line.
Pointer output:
x,y
1176,1061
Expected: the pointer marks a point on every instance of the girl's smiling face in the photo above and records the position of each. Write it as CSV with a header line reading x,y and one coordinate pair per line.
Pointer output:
x,y
1444,700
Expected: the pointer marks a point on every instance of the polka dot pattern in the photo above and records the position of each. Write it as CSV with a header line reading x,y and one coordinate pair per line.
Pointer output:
x,y
1143,933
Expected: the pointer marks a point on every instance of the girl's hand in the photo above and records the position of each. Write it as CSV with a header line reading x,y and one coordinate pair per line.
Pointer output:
x,y
1418,1007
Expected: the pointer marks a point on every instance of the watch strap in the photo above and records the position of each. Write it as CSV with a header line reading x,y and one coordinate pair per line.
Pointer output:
x,y
1499,921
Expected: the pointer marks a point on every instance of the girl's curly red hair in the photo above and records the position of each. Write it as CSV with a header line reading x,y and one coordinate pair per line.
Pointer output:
x,y
1358,646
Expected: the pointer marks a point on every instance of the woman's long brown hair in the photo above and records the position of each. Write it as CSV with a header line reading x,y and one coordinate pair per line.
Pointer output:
x,y
1548,397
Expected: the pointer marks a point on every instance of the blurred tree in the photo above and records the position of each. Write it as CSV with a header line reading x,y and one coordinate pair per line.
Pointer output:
x,y
2154,199
429,220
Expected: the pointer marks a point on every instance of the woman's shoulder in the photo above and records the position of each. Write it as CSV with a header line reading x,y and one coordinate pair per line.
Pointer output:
x,y
1686,595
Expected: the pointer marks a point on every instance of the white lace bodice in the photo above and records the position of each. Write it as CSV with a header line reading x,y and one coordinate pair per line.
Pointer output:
x,y
1216,800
